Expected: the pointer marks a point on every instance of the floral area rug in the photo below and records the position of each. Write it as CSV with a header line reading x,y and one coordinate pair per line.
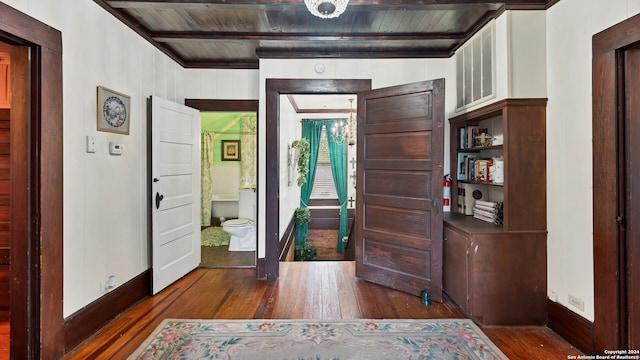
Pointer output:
x,y
307,339
214,236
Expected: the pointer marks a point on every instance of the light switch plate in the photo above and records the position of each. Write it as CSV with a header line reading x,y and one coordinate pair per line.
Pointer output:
x,y
91,144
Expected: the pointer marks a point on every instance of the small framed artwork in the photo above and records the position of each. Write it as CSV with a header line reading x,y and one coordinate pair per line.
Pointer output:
x,y
230,150
114,111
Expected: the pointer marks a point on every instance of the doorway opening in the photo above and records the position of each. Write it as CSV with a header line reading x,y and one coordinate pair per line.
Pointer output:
x,y
229,189
5,219
334,119
269,268
230,130
616,251
36,195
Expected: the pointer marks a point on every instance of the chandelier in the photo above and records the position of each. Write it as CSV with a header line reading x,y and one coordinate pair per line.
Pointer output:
x,y
326,8
345,132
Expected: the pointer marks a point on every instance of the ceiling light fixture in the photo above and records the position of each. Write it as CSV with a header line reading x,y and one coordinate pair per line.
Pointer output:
x,y
326,9
345,132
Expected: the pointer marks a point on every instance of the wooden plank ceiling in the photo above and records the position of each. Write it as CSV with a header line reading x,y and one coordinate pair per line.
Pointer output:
x,y
235,34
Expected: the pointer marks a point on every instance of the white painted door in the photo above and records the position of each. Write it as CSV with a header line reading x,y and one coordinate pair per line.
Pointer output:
x,y
175,191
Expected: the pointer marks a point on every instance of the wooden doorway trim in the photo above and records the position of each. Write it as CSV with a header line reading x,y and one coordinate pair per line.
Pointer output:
x,y
608,187
36,210
268,268
223,105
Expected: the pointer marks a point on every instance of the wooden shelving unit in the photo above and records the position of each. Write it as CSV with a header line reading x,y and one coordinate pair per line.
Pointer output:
x,y
497,274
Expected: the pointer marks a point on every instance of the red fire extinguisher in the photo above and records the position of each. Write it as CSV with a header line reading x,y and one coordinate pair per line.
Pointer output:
x,y
446,199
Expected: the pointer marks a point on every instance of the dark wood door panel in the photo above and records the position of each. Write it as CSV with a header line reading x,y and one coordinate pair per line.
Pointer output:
x,y
455,276
393,220
398,236
404,184
387,108
631,234
405,146
385,255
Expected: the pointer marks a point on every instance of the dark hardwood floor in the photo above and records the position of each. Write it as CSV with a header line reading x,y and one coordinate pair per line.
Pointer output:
x,y
305,290
221,257
4,335
326,243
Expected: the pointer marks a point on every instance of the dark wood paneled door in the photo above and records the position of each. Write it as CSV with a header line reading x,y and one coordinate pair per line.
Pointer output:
x,y
399,192
631,262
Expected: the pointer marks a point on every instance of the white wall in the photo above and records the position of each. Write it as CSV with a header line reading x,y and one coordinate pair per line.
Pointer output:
x,y
570,27
526,54
290,130
105,197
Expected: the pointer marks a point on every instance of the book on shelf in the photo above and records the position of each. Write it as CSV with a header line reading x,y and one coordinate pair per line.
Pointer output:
x,y
496,171
464,159
488,211
486,203
470,168
467,136
462,138
460,208
481,167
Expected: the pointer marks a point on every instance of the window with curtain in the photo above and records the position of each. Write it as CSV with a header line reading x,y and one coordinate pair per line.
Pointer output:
x,y
323,187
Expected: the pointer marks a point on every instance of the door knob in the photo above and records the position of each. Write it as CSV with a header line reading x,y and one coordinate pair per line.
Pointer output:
x,y
158,199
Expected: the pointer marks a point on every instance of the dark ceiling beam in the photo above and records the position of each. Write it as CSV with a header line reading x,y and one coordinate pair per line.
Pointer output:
x,y
361,5
270,53
376,3
177,36
222,64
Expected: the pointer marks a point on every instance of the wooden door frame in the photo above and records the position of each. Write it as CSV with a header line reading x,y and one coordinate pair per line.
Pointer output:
x,y
268,268
36,193
608,172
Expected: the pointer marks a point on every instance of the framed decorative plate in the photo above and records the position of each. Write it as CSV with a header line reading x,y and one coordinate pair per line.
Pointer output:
x,y
114,111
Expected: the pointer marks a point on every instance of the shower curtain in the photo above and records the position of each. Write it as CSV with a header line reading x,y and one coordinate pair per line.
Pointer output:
x,y
206,159
248,153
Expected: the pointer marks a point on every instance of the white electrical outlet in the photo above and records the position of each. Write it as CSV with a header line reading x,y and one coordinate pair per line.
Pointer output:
x,y
110,283
578,303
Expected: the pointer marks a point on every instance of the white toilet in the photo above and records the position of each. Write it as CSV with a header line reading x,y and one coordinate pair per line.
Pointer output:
x,y
243,234
243,229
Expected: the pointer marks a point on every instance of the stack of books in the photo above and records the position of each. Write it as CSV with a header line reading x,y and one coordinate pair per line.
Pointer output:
x,y
487,211
471,168
468,137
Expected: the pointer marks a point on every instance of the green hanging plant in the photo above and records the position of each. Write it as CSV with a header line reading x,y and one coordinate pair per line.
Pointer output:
x,y
303,216
303,151
305,251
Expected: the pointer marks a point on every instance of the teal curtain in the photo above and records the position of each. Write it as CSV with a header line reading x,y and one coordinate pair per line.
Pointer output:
x,y
312,131
338,157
